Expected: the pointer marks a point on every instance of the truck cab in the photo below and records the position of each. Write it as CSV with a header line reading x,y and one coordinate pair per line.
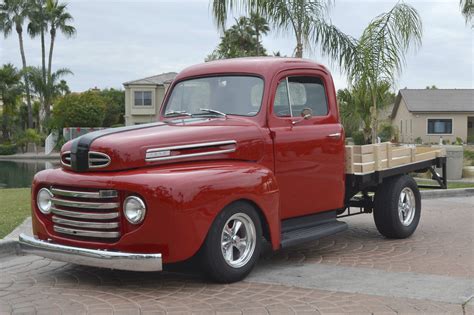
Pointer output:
x,y
243,150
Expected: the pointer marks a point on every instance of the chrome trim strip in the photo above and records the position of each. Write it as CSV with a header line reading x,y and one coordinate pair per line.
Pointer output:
x,y
85,215
85,205
91,257
67,159
102,158
85,194
191,146
87,233
103,155
92,225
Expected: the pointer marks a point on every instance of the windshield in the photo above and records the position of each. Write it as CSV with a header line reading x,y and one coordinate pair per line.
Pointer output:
x,y
216,96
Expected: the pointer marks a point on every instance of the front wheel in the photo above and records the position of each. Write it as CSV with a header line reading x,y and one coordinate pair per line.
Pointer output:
x,y
397,207
233,244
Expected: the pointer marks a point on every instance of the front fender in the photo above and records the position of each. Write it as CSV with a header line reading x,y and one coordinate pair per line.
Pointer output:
x,y
182,202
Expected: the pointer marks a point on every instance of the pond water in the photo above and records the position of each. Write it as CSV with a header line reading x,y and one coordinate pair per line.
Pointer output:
x,y
19,174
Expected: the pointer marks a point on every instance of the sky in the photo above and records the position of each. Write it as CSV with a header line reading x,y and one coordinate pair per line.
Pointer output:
x,y
123,40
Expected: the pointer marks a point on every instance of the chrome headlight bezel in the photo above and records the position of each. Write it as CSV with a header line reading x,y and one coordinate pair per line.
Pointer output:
x,y
134,209
44,200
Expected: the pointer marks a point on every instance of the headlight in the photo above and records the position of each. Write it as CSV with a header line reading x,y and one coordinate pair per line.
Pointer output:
x,y
134,209
43,200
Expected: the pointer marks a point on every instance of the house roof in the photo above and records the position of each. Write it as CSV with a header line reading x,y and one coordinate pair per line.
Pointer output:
x,y
436,100
159,79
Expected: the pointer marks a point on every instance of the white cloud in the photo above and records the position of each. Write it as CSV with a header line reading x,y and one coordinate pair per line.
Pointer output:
x,y
122,40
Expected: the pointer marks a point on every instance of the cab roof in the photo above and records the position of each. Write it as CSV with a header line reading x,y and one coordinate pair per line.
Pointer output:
x,y
263,66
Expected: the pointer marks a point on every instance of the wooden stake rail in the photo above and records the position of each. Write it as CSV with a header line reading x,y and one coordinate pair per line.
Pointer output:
x,y
361,159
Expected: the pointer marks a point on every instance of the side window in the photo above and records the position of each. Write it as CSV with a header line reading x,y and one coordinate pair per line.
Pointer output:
x,y
281,105
294,94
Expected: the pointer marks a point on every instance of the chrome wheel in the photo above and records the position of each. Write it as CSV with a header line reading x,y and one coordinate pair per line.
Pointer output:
x,y
406,206
238,240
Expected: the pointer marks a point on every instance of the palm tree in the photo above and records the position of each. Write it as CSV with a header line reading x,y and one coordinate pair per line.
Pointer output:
x,y
355,105
13,14
379,54
260,26
39,26
59,19
11,90
467,9
50,90
306,19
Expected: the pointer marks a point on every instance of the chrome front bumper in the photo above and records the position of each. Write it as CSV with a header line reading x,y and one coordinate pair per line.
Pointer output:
x,y
91,257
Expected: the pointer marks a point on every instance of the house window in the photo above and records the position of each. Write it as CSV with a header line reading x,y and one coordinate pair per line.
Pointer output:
x,y
440,126
142,98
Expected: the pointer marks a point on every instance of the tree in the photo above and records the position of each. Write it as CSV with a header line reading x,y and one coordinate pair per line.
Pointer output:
x,y
433,87
260,26
114,107
11,90
79,110
50,89
58,20
379,54
306,19
13,14
467,9
39,26
241,40
355,106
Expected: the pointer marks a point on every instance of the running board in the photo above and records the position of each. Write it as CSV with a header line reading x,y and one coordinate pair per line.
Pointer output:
x,y
310,228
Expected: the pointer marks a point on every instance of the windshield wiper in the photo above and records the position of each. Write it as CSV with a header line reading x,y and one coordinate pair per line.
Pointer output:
x,y
177,113
211,111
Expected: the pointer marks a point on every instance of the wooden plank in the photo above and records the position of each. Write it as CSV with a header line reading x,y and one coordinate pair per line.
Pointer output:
x,y
376,158
350,160
412,154
399,152
389,148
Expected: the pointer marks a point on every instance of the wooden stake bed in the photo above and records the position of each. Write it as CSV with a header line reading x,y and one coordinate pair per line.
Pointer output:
x,y
364,159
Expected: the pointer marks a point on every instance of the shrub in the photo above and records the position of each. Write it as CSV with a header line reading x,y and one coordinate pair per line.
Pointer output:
x,y
358,138
387,133
8,149
79,110
458,141
28,136
418,140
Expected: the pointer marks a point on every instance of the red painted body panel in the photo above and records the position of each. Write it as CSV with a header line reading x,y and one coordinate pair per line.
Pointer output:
x,y
285,170
181,199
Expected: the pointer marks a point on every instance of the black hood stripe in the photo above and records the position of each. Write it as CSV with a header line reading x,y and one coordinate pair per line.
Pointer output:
x,y
80,146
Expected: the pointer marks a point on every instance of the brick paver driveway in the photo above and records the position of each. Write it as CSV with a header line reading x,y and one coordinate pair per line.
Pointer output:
x,y
356,271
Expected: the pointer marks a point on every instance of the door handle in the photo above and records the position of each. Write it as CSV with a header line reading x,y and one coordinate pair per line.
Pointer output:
x,y
335,136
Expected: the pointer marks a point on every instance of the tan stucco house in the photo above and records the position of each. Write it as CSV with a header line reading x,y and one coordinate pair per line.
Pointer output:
x,y
431,114
143,97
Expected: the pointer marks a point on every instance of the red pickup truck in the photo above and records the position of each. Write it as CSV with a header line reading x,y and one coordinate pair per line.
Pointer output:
x,y
243,151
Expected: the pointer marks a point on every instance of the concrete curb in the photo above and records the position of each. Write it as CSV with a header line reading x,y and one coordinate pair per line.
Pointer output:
x,y
443,193
9,248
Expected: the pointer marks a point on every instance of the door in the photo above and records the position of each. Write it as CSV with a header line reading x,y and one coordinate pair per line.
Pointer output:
x,y
309,151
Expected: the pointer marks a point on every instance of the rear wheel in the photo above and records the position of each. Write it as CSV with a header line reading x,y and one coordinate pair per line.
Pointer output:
x,y
233,244
397,207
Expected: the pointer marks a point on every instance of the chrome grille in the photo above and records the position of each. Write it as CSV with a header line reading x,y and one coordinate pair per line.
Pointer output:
x,y
86,214
96,159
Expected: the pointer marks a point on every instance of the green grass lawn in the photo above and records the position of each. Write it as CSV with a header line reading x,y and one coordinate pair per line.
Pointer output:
x,y
14,208
451,185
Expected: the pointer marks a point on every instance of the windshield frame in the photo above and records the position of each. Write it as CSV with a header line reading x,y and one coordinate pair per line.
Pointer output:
x,y
213,75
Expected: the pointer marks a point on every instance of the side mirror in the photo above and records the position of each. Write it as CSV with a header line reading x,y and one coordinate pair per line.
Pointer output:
x,y
306,113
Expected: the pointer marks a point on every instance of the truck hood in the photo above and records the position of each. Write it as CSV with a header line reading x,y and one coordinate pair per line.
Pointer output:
x,y
180,140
